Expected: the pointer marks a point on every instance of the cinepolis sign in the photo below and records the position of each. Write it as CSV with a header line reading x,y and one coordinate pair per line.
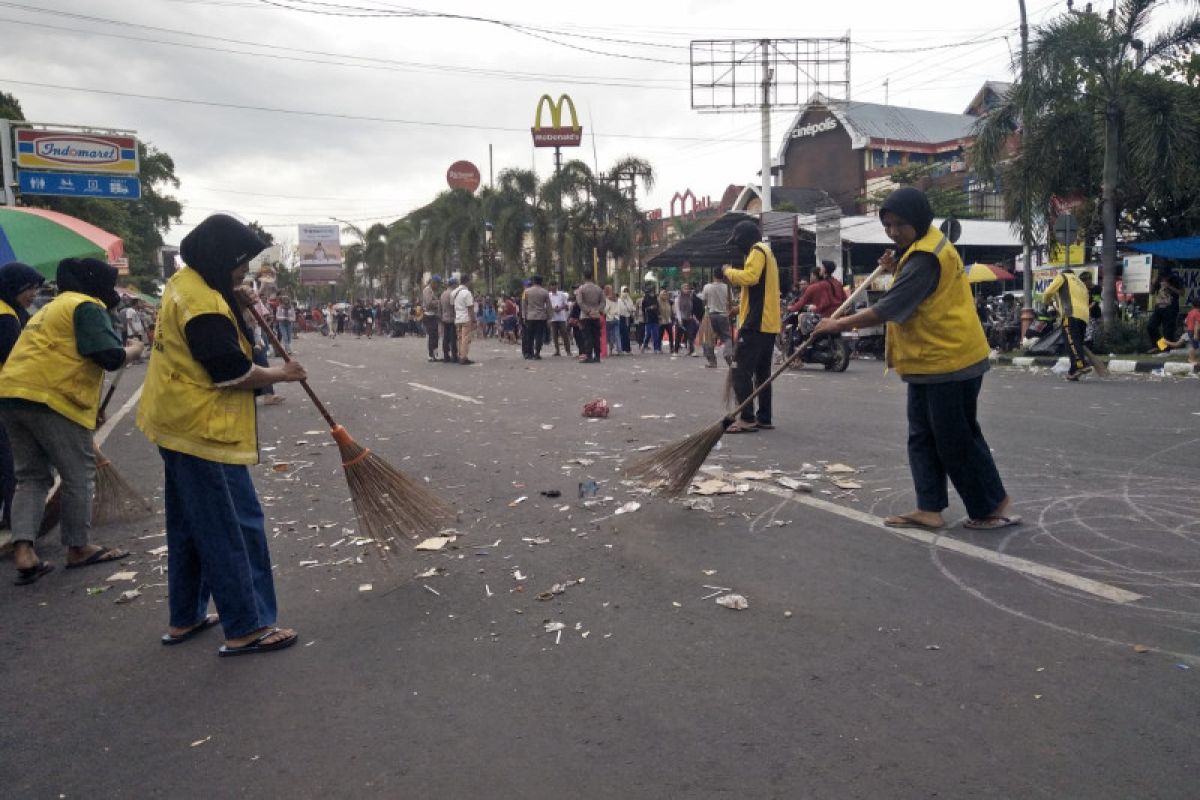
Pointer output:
x,y
814,128
557,134
76,152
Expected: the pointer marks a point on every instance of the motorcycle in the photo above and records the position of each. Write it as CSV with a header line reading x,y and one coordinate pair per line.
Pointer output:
x,y
831,351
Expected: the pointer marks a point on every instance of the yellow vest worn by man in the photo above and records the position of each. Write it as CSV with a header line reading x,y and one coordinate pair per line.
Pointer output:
x,y
944,334
6,310
760,268
1074,301
181,409
45,365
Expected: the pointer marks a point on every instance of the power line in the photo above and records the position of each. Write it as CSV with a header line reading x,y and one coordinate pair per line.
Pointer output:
x,y
330,115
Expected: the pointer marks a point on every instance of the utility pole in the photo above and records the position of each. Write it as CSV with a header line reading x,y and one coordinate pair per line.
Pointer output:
x,y
1026,257
765,44
6,163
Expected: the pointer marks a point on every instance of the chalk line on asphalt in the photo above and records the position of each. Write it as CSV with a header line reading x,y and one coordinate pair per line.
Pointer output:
x,y
935,539
111,422
347,366
462,397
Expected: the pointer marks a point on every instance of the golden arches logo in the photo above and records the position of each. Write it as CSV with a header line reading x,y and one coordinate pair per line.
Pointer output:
x,y
556,134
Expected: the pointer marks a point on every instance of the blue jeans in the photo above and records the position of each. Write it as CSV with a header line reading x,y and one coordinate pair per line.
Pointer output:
x,y
623,327
652,336
945,441
285,334
614,335
217,546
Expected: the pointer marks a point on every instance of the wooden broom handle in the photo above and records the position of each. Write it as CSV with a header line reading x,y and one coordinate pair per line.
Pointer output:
x,y
262,323
847,303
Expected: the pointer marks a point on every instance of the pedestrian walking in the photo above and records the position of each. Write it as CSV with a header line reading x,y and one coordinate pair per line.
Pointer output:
x,y
197,406
626,312
685,313
1069,295
666,319
19,284
49,402
650,310
936,343
612,323
430,317
718,298
285,321
758,325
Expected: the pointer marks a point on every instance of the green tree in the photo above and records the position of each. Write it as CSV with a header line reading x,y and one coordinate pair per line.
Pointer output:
x,y
1094,118
947,200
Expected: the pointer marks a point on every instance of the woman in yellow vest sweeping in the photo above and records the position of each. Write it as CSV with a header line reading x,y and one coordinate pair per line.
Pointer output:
x,y
49,398
936,343
18,286
198,406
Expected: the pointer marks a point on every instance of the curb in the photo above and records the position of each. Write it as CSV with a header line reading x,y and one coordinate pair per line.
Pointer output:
x,y
1119,365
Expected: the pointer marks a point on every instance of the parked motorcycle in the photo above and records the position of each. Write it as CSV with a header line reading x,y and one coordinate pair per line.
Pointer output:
x,y
832,351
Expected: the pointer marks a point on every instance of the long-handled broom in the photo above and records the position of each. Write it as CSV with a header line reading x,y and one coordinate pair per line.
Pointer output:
x,y
670,470
387,502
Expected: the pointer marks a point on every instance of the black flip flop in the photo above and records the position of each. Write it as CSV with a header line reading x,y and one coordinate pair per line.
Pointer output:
x,y
101,556
205,624
33,574
766,426
258,647
735,428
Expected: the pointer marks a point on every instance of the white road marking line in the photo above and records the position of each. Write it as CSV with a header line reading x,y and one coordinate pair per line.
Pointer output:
x,y
111,422
462,397
935,539
347,366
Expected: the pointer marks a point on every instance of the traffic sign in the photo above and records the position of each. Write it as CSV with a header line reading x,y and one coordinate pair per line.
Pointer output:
x,y
58,184
1065,228
952,228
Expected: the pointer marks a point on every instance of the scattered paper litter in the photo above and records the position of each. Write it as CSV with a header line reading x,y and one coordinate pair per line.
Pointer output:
x,y
547,427
121,576
839,469
793,484
629,507
158,551
435,543
313,433
646,447
199,742
281,466
518,501
432,572
752,475
713,486
845,484
700,504
517,576
365,587
535,539
312,562
735,601
128,596
552,627
95,590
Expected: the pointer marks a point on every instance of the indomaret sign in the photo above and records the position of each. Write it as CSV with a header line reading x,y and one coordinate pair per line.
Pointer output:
x,y
557,134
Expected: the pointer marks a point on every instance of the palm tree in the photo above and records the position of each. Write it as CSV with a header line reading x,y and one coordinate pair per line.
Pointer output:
x,y
1083,101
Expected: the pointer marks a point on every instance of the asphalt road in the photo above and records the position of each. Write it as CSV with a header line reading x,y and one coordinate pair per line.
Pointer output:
x,y
1058,659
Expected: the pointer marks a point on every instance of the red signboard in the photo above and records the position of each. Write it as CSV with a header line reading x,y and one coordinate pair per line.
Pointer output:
x,y
463,175
76,152
556,134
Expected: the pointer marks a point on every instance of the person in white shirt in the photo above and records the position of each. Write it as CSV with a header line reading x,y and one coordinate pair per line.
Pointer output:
x,y
626,311
560,305
285,319
717,298
464,318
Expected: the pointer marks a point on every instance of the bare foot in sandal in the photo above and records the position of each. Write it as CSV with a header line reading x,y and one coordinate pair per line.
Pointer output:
x,y
928,520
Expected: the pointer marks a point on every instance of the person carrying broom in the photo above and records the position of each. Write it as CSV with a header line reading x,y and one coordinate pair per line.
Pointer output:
x,y
49,401
936,343
198,406
758,325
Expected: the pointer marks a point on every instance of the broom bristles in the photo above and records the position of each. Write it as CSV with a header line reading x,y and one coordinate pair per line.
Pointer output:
x,y
115,499
670,470
390,505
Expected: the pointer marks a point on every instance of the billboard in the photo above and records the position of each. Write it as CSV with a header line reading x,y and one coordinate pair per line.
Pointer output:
x,y
463,175
557,134
73,151
319,244
1136,273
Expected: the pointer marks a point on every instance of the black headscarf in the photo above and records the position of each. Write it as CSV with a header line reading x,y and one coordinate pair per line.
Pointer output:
x,y
744,236
89,276
15,278
215,248
911,205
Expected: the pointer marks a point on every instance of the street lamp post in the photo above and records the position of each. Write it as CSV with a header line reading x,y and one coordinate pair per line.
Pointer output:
x,y
490,255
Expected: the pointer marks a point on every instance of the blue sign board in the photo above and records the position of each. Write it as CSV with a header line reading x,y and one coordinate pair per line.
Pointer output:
x,y
75,184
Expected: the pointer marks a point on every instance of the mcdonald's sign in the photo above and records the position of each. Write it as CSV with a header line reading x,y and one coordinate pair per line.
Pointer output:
x,y
557,134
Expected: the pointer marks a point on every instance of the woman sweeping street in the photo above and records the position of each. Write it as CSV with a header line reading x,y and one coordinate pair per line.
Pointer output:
x,y
198,407
49,400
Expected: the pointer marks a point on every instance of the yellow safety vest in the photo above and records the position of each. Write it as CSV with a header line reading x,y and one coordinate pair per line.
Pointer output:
x,y
45,365
1072,303
761,269
6,310
181,409
944,334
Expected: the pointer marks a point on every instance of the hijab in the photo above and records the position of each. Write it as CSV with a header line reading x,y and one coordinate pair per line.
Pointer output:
x,y
89,276
911,205
15,278
215,248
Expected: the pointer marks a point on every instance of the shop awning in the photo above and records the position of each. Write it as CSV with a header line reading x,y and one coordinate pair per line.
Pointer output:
x,y
1186,248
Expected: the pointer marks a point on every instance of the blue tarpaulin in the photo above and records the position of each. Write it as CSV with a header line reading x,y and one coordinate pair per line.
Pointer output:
x,y
1184,249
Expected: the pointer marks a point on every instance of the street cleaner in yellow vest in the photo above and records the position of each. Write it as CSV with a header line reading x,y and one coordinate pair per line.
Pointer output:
x,y
198,406
936,343
1068,294
19,284
758,325
49,399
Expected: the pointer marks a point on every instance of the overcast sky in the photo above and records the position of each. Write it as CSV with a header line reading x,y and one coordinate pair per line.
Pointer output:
x,y
624,63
